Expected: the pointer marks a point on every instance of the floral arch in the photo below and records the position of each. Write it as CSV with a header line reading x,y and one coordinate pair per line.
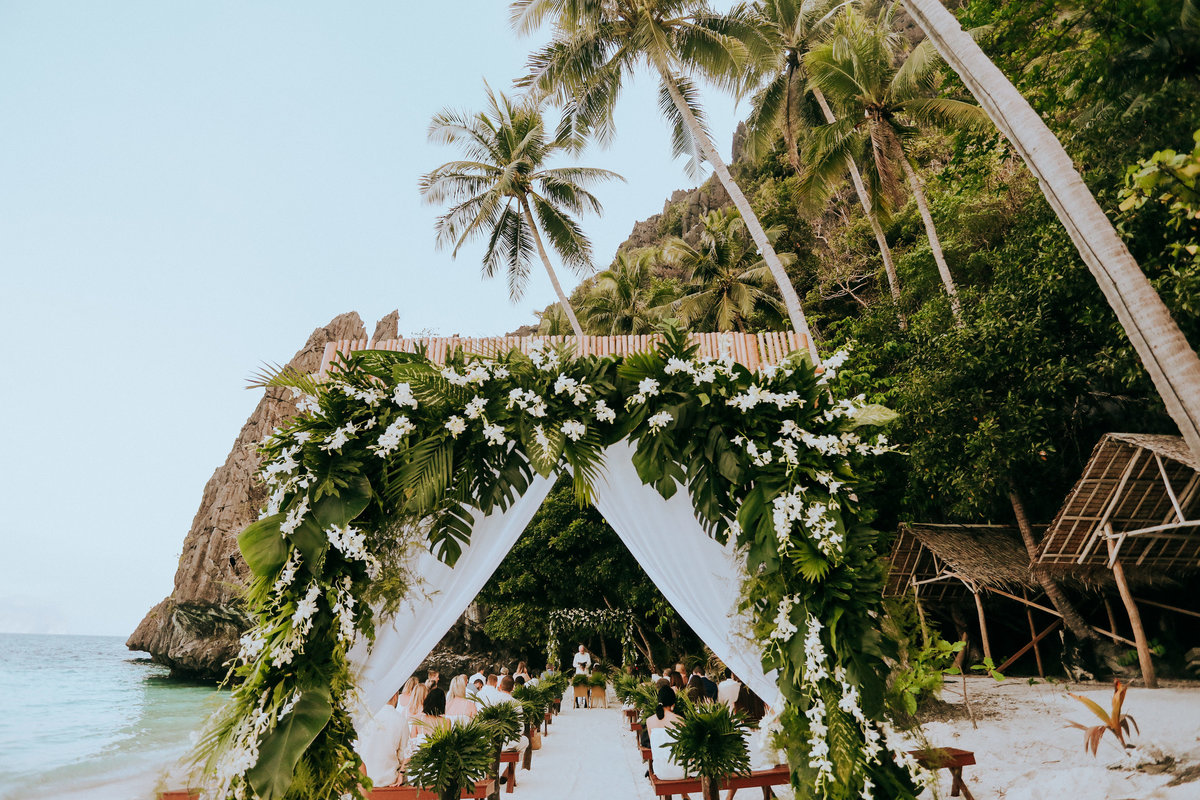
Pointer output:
x,y
399,468
612,621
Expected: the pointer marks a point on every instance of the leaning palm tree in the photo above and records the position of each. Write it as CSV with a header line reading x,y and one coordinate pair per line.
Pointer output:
x,y
627,298
505,191
793,27
726,279
1172,363
880,98
597,44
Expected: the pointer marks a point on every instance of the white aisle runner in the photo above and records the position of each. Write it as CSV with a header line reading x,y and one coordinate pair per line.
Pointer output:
x,y
590,754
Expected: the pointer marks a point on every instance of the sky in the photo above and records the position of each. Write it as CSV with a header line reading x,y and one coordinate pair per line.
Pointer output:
x,y
187,190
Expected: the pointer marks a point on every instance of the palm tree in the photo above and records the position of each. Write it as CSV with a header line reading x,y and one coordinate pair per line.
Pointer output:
x,y
552,321
878,96
627,298
793,27
598,43
504,190
726,277
1172,363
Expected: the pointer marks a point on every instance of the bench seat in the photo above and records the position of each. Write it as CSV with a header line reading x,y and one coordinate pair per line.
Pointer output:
x,y
950,758
764,779
480,791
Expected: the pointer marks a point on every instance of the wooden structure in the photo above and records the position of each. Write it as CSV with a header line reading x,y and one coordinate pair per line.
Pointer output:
x,y
952,562
764,779
752,350
950,758
480,791
1137,504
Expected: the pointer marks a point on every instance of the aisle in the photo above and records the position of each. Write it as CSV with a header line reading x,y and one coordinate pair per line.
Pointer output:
x,y
589,755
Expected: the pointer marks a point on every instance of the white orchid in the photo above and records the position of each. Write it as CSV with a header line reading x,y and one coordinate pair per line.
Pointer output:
x,y
574,429
456,425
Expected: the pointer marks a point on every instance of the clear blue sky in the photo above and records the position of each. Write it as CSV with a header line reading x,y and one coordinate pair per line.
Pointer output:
x,y
186,191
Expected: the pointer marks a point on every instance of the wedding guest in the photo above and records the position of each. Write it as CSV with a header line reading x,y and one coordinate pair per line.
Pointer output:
x,y
504,694
431,718
522,671
481,674
458,707
416,704
405,697
677,682
384,743
695,689
488,694
710,688
432,680
762,755
727,690
659,726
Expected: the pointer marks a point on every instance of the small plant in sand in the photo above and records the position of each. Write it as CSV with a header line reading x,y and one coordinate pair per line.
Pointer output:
x,y
1117,721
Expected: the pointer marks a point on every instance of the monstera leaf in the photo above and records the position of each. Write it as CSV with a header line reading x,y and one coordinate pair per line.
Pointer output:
x,y
872,414
544,450
281,749
262,545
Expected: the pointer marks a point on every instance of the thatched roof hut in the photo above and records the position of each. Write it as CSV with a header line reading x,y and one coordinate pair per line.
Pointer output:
x,y
945,561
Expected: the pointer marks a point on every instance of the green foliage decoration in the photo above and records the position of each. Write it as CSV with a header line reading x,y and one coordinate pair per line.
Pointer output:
x,y
453,757
393,452
710,742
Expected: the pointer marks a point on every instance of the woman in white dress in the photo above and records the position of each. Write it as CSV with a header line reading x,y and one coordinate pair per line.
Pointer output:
x,y
659,727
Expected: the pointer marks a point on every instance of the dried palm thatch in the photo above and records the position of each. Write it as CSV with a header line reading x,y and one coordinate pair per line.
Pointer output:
x,y
947,561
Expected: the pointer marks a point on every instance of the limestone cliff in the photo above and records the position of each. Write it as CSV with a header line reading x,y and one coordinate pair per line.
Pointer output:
x,y
195,630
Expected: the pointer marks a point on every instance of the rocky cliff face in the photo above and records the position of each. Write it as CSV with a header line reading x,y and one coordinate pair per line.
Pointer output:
x,y
195,630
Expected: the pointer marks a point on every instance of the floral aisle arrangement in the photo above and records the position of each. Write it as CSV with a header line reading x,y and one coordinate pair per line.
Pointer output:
x,y
395,451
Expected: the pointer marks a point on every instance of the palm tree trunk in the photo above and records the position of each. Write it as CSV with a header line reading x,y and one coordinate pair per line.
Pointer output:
x,y
558,290
1071,617
935,244
789,117
791,300
860,188
1173,365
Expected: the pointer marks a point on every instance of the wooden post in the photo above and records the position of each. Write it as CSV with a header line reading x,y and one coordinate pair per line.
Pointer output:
x,y
983,633
1135,621
920,614
1037,653
1112,618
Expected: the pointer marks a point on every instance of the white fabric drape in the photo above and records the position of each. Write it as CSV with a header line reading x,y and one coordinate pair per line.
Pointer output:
x,y
700,578
402,643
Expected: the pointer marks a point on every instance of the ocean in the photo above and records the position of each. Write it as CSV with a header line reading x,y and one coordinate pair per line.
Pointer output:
x,y
81,716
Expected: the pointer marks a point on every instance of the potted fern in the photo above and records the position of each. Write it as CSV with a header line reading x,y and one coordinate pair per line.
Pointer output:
x,y
598,688
505,725
580,682
452,758
710,743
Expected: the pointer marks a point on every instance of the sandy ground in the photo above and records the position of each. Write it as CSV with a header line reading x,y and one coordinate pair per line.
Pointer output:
x,y
1025,751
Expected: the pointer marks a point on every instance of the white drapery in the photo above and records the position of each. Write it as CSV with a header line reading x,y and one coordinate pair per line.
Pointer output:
x,y
402,642
700,578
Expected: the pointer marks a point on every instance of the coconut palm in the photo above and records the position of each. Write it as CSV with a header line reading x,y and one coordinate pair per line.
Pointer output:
x,y
597,44
505,191
727,279
552,321
879,98
1173,365
793,27
627,297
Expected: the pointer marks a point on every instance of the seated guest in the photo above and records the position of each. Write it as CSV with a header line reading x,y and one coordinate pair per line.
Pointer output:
x,y
488,694
474,687
727,690
432,680
383,744
654,676
710,688
504,694
659,725
416,705
695,689
519,680
405,697
522,671
762,755
458,707
480,674
431,718
677,681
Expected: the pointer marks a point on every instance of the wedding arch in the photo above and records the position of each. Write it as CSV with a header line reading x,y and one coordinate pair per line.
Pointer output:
x,y
605,621
405,480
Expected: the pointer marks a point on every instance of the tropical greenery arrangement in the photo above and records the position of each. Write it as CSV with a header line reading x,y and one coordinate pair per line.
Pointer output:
x,y
453,758
564,621
710,742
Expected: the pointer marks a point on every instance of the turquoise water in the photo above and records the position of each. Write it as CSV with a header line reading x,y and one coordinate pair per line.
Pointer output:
x,y
82,716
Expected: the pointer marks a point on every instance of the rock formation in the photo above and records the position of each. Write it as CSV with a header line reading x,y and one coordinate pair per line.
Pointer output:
x,y
195,630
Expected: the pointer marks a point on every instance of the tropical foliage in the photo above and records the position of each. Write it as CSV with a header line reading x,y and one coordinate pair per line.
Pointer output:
x,y
452,758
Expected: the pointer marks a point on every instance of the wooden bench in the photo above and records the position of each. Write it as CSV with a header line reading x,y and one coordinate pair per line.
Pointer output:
x,y
481,790
764,779
950,758
509,758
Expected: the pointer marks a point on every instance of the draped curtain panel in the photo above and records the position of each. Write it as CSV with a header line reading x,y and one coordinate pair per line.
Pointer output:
x,y
444,593
700,578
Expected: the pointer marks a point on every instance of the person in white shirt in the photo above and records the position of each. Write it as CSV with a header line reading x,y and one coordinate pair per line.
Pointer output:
x,y
383,743
582,661
488,695
480,676
727,690
504,695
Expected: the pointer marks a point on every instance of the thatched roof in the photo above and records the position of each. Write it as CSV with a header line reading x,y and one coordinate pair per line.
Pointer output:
x,y
752,350
1129,494
948,560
